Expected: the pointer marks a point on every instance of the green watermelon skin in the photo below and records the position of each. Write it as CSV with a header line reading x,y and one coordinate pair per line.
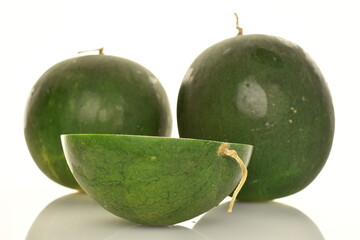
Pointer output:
x,y
264,91
91,94
153,180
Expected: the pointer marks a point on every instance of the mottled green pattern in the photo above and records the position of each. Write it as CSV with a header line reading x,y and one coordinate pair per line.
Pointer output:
x,y
91,94
153,180
264,91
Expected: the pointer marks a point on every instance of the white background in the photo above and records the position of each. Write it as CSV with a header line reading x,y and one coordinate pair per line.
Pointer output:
x,y
165,37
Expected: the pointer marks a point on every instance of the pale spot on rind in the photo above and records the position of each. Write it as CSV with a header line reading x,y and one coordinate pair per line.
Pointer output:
x,y
269,125
90,106
119,108
251,98
188,75
153,79
158,96
226,51
103,115
293,109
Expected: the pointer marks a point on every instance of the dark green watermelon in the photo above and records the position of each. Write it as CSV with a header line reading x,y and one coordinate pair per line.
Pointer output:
x,y
264,91
91,94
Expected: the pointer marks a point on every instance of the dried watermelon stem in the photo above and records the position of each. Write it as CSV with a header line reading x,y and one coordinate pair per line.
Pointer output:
x,y
101,51
224,150
237,25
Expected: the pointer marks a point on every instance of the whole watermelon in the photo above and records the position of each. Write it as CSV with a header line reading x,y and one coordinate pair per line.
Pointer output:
x,y
91,94
264,91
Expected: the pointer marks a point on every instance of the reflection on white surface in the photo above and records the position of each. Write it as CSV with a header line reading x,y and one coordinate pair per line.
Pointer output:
x,y
143,232
263,220
76,216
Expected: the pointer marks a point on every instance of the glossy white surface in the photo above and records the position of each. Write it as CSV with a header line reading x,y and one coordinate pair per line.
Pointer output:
x,y
76,216
165,37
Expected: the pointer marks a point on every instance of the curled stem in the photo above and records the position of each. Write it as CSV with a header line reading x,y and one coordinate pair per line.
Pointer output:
x,y
224,150
101,51
237,25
